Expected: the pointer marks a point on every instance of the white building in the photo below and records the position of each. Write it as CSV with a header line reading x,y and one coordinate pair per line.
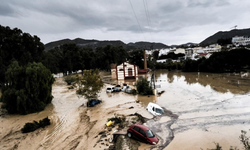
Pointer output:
x,y
124,71
240,40
166,51
179,51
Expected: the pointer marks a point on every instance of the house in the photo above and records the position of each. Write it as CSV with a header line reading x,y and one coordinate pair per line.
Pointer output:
x,y
124,71
180,51
188,53
241,40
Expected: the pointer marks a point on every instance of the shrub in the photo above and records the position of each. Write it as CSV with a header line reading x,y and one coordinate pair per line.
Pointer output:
x,y
143,87
30,127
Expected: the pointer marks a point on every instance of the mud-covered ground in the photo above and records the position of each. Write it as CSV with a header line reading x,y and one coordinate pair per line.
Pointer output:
x,y
74,126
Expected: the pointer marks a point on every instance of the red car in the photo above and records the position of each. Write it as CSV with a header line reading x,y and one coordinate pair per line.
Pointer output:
x,y
142,133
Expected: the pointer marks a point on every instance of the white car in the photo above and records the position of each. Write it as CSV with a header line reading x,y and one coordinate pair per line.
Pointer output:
x,y
109,90
155,109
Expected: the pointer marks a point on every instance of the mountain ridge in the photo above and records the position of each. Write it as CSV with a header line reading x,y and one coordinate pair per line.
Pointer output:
x,y
96,43
225,35
92,43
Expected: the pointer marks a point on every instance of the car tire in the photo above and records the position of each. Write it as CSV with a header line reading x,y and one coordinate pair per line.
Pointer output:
x,y
129,134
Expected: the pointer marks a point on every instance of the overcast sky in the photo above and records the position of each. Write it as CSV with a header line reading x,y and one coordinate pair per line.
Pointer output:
x,y
166,21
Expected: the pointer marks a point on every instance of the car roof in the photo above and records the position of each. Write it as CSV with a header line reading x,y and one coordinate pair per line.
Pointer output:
x,y
155,105
141,126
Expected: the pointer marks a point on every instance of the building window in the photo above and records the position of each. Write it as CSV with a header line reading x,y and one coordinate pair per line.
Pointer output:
x,y
120,69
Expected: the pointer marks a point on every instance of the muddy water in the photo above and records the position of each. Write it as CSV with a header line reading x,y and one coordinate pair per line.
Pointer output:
x,y
73,126
204,108
200,108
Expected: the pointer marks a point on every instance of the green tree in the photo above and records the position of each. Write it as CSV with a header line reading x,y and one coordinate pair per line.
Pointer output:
x,y
27,88
143,87
19,46
136,57
156,55
89,84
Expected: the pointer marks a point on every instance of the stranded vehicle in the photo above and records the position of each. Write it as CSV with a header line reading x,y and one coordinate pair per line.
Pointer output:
x,y
93,102
155,109
142,133
109,90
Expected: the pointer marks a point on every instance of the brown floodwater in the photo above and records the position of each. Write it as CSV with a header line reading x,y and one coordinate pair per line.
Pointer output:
x,y
200,109
208,108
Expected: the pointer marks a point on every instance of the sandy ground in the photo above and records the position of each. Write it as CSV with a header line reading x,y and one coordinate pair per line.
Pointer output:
x,y
74,126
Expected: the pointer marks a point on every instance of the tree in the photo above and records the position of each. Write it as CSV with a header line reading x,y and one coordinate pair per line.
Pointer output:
x,y
89,84
136,57
27,88
143,87
156,55
19,46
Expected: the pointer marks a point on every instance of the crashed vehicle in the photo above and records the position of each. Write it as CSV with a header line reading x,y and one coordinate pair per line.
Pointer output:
x,y
115,89
93,102
142,133
155,109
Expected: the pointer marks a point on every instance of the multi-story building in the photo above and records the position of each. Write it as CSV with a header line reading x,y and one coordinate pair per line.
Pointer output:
x,y
241,40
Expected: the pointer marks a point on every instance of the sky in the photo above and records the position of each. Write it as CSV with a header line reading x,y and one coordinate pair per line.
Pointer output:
x,y
165,21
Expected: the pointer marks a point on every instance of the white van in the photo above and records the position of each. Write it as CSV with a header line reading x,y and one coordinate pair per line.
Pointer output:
x,y
155,109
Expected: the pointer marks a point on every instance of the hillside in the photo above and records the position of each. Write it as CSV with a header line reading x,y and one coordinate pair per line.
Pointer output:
x,y
95,43
225,35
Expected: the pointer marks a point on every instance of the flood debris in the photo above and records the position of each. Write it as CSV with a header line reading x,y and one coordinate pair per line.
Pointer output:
x,y
115,134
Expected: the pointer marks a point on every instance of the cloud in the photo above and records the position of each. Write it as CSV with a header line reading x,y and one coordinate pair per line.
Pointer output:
x,y
159,21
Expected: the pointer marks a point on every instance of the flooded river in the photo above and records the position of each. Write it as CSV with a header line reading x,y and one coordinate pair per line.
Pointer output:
x,y
200,109
208,108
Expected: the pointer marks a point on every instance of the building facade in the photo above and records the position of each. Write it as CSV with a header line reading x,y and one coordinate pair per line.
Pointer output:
x,y
125,71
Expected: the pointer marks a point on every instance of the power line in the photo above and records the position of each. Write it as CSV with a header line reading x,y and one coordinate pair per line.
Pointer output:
x,y
136,18
146,12
148,17
150,23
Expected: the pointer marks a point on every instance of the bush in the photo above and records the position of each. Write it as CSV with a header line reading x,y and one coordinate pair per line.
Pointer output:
x,y
143,87
30,127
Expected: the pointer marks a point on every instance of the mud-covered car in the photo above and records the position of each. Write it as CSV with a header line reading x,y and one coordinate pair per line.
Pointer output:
x,y
93,102
142,133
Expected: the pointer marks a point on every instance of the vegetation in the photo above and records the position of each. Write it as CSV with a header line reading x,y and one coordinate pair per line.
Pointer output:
x,y
18,46
225,61
27,89
71,58
224,41
143,87
89,84
172,56
30,127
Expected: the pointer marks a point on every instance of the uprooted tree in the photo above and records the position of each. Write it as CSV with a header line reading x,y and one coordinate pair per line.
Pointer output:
x,y
89,84
27,88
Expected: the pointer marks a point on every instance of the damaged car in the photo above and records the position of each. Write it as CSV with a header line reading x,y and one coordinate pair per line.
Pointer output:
x,y
142,133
